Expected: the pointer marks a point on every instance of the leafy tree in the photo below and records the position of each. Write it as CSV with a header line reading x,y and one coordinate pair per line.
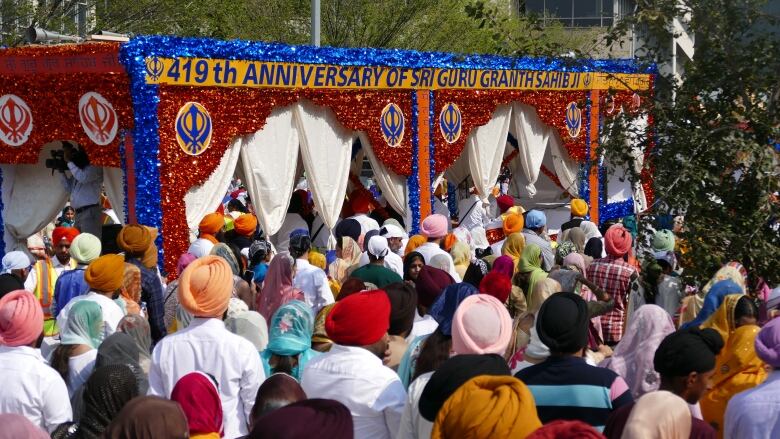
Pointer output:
x,y
714,161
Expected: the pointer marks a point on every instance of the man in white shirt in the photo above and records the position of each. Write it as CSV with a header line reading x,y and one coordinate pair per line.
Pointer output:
x,y
360,201
104,277
207,346
352,372
395,239
29,386
293,221
434,227
472,213
308,278
320,233
85,186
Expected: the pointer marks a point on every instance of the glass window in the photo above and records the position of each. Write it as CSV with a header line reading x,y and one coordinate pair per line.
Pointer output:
x,y
559,8
534,6
586,8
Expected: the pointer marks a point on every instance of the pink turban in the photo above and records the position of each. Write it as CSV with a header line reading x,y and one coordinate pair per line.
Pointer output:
x,y
481,326
768,343
21,318
434,226
617,241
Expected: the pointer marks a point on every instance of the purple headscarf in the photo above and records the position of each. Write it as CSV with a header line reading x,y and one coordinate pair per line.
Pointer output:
x,y
504,265
768,343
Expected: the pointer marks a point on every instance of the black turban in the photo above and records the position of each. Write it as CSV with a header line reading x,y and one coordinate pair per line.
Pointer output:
x,y
321,418
348,227
562,323
403,306
108,235
8,283
687,350
594,247
452,374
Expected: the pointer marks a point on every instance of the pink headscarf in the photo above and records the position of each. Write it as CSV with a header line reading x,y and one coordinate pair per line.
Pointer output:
x,y
16,426
633,356
278,286
575,260
481,325
504,265
617,241
434,226
768,343
21,318
184,260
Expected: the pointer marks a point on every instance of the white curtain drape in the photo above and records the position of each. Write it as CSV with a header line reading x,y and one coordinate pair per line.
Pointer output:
x,y
269,158
485,148
32,197
326,149
566,169
206,198
458,171
392,185
636,133
113,182
532,137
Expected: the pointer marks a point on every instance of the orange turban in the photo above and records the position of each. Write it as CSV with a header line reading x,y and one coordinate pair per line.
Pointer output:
x,y
245,224
205,287
210,225
449,241
488,406
513,223
414,242
149,258
66,233
106,273
134,239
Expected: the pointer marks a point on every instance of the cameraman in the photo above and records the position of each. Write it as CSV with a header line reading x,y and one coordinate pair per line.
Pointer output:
x,y
85,186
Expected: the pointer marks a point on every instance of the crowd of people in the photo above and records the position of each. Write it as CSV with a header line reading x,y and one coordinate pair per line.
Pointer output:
x,y
481,326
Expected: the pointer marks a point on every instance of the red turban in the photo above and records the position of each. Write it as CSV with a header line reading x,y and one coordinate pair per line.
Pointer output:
x,y
497,285
561,429
505,202
430,283
21,318
360,201
617,241
245,225
360,319
66,233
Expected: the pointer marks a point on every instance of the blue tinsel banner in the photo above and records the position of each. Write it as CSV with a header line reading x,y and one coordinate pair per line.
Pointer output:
x,y
586,167
123,163
166,46
431,146
618,209
413,181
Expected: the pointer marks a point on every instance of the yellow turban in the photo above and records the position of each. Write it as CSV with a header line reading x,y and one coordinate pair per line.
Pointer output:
x,y
205,287
134,239
317,259
513,223
488,406
579,207
106,273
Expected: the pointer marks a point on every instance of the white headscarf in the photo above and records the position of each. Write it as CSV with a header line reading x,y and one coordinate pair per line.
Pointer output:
x,y
15,260
201,247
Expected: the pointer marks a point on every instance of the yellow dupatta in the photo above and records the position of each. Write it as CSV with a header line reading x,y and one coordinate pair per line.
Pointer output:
x,y
737,368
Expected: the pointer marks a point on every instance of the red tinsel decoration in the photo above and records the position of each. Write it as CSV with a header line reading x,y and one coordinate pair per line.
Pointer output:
x,y
238,111
53,98
477,107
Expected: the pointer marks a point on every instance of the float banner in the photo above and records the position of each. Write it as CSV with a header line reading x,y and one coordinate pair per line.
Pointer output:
x,y
238,73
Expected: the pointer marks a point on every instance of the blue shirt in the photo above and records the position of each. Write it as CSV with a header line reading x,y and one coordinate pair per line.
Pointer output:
x,y
152,294
69,284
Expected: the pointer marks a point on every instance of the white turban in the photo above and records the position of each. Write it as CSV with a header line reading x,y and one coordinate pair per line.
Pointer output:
x,y
15,260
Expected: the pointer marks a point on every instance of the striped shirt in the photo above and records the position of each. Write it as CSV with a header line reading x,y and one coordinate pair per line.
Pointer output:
x,y
570,389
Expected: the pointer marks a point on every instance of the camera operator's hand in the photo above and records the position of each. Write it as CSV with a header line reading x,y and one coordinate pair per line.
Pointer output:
x,y
68,154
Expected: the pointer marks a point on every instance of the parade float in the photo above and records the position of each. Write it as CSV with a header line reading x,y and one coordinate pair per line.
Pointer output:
x,y
205,110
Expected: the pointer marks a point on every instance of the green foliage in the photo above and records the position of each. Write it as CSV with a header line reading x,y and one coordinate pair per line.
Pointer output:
x,y
713,161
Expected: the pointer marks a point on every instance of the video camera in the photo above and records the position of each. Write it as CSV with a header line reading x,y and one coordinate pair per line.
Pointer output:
x,y
57,161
